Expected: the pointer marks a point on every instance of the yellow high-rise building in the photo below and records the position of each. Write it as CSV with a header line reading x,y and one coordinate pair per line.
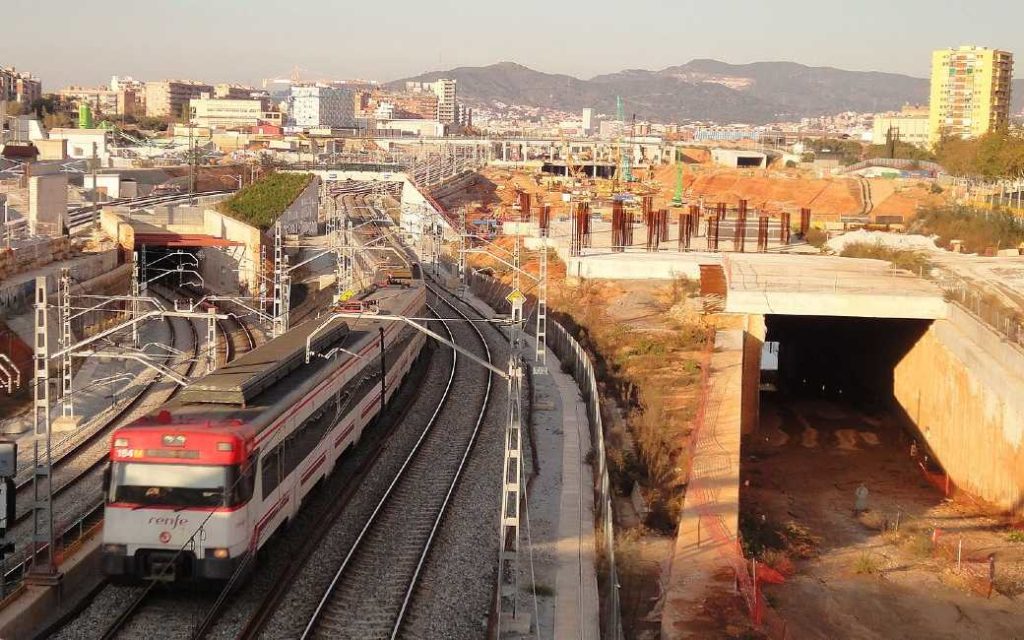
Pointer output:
x,y
970,91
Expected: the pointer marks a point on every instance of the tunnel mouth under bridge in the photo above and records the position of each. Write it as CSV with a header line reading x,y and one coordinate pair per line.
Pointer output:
x,y
841,359
836,479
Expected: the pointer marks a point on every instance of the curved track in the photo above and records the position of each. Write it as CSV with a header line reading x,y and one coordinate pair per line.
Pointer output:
x,y
79,459
376,581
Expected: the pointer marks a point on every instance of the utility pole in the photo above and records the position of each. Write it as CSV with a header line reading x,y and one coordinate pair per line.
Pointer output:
x,y
281,285
43,570
463,266
512,473
516,297
211,340
541,355
136,292
95,189
67,407
192,155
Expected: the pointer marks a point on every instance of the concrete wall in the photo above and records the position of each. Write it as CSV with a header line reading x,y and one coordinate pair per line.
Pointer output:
x,y
244,259
220,269
964,389
753,340
301,216
47,204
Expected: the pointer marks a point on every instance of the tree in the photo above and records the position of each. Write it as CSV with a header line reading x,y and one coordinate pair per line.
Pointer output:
x,y
57,120
903,151
997,154
151,123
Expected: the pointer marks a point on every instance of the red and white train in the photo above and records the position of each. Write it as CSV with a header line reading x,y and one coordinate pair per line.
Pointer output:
x,y
196,488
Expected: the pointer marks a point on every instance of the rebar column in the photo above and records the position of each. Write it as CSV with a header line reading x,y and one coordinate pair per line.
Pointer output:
x,y
739,242
545,218
784,229
762,233
628,222
576,225
713,232
618,227
585,238
805,221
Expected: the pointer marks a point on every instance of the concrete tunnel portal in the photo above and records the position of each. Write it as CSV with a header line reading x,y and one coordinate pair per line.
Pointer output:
x,y
843,359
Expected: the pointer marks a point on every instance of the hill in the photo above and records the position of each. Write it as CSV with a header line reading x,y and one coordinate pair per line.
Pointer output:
x,y
753,93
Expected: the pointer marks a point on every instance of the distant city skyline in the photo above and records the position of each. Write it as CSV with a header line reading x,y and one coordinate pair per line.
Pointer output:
x,y
65,42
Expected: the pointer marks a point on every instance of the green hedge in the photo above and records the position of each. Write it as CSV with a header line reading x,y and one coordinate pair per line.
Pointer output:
x,y
262,203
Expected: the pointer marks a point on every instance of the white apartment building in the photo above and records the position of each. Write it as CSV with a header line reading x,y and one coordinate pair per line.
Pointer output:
x,y
318,107
447,111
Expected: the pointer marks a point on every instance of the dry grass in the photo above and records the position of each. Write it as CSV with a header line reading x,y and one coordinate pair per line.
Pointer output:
x,y
918,545
873,520
866,564
779,560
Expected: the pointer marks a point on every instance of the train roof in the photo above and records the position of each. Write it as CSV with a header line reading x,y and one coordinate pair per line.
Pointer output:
x,y
241,380
194,409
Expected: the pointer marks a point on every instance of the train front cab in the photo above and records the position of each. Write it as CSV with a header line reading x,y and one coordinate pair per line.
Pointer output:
x,y
177,519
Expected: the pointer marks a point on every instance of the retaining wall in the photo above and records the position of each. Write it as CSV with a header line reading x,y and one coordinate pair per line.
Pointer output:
x,y
963,387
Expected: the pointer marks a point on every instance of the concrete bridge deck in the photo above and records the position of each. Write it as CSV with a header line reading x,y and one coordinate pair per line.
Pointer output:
x,y
764,283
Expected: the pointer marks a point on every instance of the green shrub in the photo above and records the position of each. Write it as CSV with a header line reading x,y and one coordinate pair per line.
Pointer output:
x,y
978,230
262,203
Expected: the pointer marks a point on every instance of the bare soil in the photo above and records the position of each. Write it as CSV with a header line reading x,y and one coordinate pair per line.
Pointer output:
x,y
857,576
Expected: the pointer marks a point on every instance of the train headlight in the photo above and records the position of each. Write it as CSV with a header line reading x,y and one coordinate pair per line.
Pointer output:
x,y
120,442
220,553
116,549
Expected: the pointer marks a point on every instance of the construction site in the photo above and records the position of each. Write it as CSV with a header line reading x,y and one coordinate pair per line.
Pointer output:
x,y
823,375
785,442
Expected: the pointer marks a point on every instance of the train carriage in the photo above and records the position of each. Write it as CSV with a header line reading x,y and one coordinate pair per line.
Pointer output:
x,y
196,488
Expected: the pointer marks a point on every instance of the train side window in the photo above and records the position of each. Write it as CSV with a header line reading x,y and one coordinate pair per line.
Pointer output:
x,y
246,481
271,471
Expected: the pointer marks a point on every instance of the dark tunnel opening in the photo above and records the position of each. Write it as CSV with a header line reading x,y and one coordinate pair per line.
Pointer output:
x,y
839,358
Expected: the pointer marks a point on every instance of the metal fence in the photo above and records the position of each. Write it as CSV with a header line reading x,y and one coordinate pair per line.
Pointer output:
x,y
575,358
577,362
986,307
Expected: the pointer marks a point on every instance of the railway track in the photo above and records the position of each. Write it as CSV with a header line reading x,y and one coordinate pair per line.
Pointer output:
x,y
237,338
80,459
381,552
376,582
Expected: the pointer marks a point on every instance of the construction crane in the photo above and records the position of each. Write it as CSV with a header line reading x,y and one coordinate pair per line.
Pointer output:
x,y
624,160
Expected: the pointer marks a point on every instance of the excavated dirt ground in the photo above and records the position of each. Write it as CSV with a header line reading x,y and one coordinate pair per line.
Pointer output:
x,y
774,191
854,580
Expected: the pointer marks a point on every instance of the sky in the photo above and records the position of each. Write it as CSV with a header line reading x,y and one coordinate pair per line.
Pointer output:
x,y
76,42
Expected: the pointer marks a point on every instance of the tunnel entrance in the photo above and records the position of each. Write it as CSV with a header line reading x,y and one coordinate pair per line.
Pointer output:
x,y
837,481
837,358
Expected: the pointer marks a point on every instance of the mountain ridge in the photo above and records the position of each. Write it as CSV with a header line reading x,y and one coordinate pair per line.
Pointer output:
x,y
702,89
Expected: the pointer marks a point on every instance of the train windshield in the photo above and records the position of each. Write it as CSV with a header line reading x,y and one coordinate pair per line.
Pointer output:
x,y
175,485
